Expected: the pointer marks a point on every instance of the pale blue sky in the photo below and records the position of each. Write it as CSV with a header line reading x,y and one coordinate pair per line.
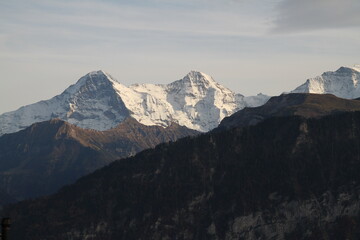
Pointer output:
x,y
249,46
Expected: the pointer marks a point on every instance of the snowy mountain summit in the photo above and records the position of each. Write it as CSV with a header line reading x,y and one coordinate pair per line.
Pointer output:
x,y
98,101
90,103
342,83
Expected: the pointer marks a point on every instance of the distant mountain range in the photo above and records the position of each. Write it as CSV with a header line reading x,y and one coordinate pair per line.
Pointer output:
x,y
98,101
48,155
287,177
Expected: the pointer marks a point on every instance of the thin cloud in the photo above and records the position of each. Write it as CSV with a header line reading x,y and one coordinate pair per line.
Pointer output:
x,y
109,16
304,15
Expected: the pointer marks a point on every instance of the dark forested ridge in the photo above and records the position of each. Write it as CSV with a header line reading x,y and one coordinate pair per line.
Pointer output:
x,y
306,105
285,178
45,156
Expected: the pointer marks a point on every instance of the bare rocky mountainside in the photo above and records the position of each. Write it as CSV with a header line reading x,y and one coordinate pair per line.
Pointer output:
x,y
48,155
289,177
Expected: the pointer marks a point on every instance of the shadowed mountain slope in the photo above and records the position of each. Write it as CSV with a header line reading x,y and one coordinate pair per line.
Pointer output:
x,y
285,178
294,104
48,155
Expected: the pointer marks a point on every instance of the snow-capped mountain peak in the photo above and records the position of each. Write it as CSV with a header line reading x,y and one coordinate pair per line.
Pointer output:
x,y
199,79
93,79
196,101
91,102
342,83
197,84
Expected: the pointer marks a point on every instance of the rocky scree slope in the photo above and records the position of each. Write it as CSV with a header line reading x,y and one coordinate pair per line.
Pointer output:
x,y
97,101
48,155
285,178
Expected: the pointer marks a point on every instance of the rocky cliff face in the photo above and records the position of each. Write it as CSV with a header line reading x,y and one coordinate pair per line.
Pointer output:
x,y
285,178
48,155
97,101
